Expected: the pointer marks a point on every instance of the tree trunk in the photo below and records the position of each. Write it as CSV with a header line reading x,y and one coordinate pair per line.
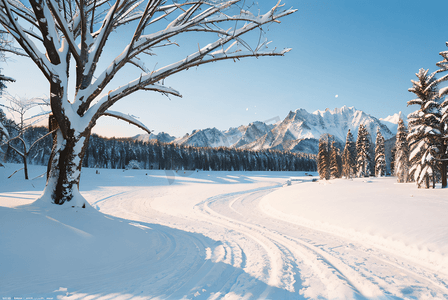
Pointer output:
x,y
64,169
443,165
443,173
25,166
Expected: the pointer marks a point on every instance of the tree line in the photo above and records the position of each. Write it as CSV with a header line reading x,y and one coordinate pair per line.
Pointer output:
x,y
420,153
358,159
122,153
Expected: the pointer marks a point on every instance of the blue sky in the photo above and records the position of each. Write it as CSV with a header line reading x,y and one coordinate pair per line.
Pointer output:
x,y
366,52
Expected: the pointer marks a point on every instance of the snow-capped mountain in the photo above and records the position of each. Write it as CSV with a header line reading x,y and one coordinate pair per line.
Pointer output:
x,y
210,137
298,132
161,137
392,121
234,137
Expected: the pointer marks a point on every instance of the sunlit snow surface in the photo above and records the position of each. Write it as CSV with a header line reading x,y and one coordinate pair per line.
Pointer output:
x,y
223,235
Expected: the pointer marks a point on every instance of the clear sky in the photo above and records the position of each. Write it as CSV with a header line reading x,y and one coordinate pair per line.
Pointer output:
x,y
357,53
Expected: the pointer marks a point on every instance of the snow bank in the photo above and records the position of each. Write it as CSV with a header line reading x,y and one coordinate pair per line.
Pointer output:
x,y
46,248
399,218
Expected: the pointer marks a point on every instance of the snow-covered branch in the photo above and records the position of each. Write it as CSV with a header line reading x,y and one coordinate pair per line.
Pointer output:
x,y
48,29
186,22
128,118
107,101
68,35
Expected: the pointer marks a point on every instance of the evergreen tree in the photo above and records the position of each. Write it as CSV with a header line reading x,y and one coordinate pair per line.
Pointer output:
x,y
363,152
425,138
401,159
380,155
349,157
444,120
323,160
335,161
444,144
392,160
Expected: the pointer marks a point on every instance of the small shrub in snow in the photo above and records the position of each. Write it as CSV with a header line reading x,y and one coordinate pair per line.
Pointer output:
x,y
133,165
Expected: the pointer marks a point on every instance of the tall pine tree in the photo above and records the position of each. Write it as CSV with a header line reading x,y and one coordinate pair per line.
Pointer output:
x,y
425,138
349,157
335,161
323,160
363,152
401,159
444,121
380,155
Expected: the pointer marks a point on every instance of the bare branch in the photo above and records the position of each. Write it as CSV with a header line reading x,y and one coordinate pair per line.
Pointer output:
x,y
8,20
15,149
41,138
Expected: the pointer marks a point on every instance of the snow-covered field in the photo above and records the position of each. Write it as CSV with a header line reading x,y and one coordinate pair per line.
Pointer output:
x,y
223,235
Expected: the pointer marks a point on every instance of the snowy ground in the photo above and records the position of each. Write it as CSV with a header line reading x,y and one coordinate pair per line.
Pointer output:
x,y
223,235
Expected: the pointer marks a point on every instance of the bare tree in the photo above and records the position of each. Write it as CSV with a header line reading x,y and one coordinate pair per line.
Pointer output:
x,y
19,107
4,136
78,31
7,46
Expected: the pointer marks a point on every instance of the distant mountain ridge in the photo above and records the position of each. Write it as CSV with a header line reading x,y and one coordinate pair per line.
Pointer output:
x,y
298,132
161,137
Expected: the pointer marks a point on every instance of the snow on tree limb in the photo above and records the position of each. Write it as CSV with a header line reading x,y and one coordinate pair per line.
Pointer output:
x,y
127,118
139,44
64,27
6,78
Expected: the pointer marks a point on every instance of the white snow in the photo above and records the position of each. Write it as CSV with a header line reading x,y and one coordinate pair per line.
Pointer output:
x,y
223,235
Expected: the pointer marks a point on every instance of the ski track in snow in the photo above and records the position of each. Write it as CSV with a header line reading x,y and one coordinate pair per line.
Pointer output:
x,y
248,252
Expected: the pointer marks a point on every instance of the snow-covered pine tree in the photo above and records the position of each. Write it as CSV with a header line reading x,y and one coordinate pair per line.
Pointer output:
x,y
425,138
349,157
335,158
323,160
392,160
401,159
68,35
380,155
443,65
444,145
363,152
339,161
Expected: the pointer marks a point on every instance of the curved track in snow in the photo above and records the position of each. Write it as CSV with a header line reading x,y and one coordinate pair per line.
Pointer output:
x,y
231,246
